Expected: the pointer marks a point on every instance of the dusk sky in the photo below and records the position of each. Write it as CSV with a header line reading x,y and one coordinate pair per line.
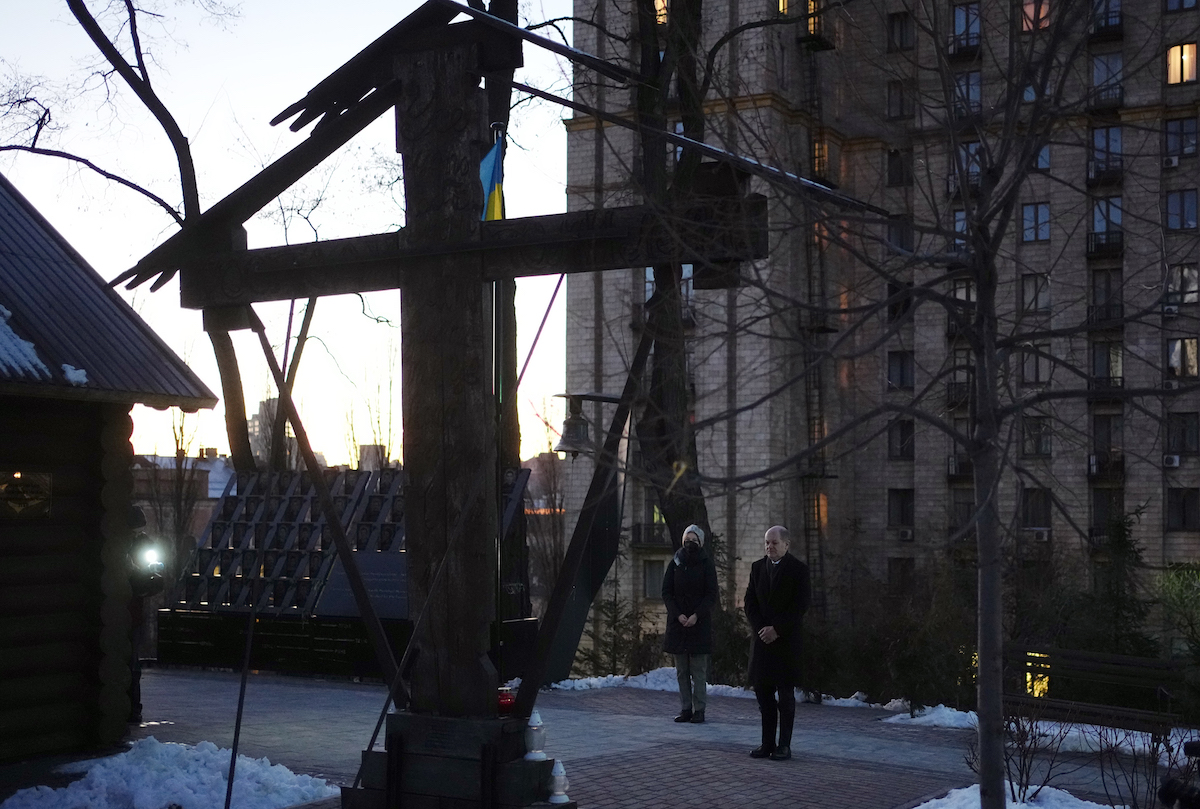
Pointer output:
x,y
224,80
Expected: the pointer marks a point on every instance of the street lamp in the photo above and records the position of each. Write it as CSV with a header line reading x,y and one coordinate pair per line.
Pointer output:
x,y
575,438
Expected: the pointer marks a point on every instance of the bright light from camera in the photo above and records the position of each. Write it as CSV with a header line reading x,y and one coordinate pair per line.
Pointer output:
x,y
150,556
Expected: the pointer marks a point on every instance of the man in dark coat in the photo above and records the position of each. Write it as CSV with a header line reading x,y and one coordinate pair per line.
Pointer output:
x,y
690,592
776,599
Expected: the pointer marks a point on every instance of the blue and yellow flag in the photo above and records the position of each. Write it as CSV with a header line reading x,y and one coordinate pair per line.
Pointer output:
x,y
491,174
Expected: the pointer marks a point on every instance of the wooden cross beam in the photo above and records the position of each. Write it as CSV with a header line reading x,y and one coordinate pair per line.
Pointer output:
x,y
583,241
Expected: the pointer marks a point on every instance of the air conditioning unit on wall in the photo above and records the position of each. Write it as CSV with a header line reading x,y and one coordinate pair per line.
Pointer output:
x,y
1170,309
1170,384
1041,535
1170,461
905,535
1171,162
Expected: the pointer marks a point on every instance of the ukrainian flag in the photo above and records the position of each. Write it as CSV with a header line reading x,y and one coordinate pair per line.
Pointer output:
x,y
491,174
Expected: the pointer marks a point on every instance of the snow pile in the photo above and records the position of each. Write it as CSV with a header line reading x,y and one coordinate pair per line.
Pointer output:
x,y
1048,798
76,376
153,775
18,357
936,716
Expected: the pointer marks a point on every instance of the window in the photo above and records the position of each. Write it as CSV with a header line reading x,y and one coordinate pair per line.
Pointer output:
x,y
1106,214
1035,293
1107,69
964,366
1107,432
652,578
1181,209
660,11
1035,14
1106,147
1035,364
970,161
968,90
1183,433
966,25
1106,290
1183,284
1042,161
1182,361
900,440
25,495
1181,63
963,290
1107,363
1035,508
899,300
900,508
1183,509
900,371
960,226
1035,218
1180,5
1108,506
899,167
1035,436
900,234
900,96
902,33
1179,137
962,508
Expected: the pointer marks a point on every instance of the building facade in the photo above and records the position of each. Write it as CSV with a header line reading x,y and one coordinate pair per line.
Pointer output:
x,y
1030,178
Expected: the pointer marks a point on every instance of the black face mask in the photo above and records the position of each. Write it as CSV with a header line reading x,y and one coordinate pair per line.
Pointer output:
x,y
691,547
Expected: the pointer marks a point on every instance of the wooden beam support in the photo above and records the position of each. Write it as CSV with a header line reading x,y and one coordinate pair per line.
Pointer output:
x,y
581,241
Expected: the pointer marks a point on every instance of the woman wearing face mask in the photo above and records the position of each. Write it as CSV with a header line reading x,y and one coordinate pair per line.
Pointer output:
x,y
690,593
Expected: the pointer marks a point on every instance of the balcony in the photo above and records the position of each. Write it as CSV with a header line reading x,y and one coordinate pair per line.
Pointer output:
x,y
1105,388
958,394
1106,316
954,188
1105,170
1107,26
1106,244
1106,465
960,468
1098,536
817,33
649,535
963,47
1106,97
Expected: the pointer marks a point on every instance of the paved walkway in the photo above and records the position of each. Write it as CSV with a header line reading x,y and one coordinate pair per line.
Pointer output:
x,y
619,745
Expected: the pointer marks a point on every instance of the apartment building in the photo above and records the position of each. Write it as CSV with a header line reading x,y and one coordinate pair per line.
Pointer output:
x,y
1031,175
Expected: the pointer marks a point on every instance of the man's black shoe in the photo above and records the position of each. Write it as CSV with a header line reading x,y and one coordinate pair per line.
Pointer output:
x,y
684,716
782,753
697,718
762,751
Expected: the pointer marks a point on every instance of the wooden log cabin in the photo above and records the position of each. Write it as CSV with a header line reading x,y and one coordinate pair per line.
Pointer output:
x,y
74,359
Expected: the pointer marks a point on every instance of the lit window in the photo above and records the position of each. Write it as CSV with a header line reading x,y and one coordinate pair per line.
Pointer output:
x,y
660,12
1181,209
25,495
1035,219
1182,361
1181,63
1035,14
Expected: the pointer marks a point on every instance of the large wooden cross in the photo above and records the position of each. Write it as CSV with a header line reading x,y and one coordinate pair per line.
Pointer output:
x,y
442,260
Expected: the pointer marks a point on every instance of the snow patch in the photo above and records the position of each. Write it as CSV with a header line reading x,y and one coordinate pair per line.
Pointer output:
x,y
152,775
76,376
937,716
18,357
1048,798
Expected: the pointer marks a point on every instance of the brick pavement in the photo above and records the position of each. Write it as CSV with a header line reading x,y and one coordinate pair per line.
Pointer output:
x,y
619,745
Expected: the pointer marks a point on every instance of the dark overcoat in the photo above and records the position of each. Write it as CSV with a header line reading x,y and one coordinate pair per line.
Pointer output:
x,y
781,605
689,588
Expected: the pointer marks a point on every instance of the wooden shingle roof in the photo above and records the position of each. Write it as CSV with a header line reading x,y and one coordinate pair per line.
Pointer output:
x,y
65,334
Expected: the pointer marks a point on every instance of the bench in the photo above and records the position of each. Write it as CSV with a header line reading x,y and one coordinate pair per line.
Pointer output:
x,y
1144,694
